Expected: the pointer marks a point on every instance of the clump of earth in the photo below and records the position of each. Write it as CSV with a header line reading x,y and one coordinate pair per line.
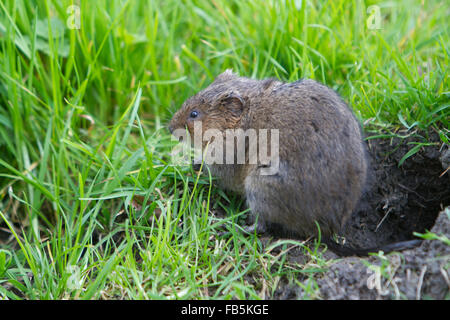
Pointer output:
x,y
419,273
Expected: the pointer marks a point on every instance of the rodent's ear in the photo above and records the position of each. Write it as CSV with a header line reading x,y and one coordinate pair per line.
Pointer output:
x,y
233,102
228,74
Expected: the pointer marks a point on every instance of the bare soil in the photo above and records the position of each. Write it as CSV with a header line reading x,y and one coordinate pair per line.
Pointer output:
x,y
420,273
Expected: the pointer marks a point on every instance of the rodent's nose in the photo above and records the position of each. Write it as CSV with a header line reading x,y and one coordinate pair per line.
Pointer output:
x,y
170,129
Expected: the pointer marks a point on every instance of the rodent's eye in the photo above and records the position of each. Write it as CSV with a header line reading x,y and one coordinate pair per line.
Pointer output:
x,y
194,114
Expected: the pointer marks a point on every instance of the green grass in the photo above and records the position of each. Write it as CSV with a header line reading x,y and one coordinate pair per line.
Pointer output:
x,y
90,205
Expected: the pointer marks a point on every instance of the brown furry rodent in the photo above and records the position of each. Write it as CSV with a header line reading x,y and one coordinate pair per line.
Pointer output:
x,y
322,159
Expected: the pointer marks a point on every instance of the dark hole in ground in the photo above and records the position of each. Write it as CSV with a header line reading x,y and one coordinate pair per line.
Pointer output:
x,y
399,200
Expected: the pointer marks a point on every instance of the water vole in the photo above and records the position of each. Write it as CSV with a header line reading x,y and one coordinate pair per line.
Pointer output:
x,y
322,164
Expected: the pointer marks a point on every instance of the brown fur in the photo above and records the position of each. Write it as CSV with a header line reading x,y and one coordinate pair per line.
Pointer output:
x,y
322,157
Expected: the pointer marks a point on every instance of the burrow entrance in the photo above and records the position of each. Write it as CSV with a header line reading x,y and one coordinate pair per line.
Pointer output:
x,y
400,200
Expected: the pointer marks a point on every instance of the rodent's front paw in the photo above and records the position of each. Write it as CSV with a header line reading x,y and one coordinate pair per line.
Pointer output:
x,y
258,227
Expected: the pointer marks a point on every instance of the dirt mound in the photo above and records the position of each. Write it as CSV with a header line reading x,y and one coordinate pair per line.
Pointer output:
x,y
421,273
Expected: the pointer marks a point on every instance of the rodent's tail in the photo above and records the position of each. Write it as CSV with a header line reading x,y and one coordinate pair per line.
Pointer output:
x,y
346,251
